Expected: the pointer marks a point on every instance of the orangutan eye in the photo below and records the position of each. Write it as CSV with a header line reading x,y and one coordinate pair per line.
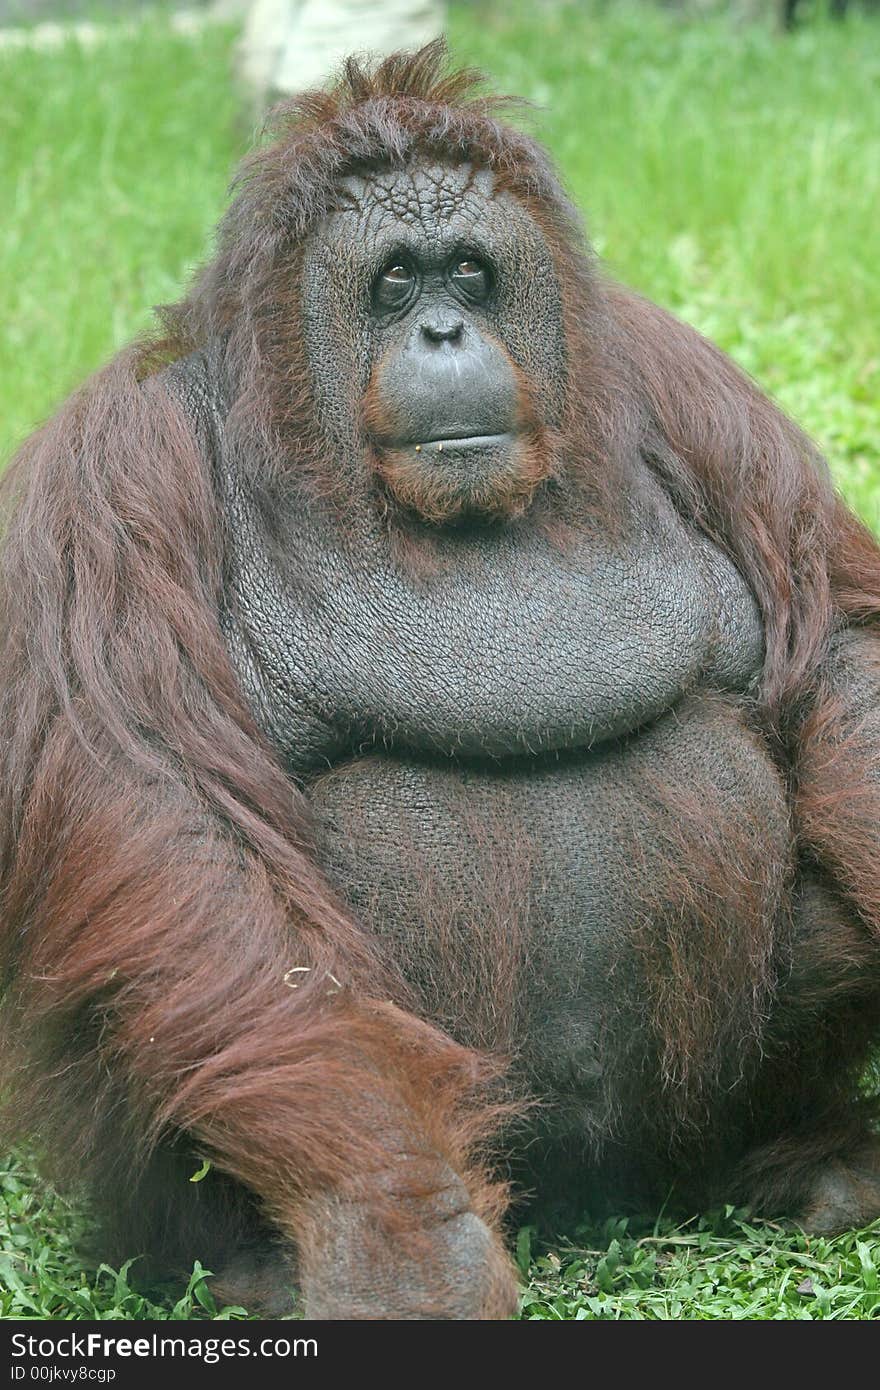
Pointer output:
x,y
394,286
472,277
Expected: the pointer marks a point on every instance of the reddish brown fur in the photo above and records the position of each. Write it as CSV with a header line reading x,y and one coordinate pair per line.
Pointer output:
x,y
156,874
838,778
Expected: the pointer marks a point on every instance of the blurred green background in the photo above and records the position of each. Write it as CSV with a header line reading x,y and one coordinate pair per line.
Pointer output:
x,y
727,170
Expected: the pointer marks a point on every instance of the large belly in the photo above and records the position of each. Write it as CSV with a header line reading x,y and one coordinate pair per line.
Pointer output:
x,y
601,916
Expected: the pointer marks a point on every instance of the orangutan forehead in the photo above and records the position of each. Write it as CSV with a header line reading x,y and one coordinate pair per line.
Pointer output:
x,y
423,197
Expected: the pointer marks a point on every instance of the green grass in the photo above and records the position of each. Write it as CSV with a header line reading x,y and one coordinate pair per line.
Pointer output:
x,y
730,174
717,1266
42,1275
113,169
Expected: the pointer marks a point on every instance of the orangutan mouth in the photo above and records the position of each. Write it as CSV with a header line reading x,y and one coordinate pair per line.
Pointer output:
x,y
456,444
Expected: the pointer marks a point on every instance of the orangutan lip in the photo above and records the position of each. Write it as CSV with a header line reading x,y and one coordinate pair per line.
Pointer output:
x,y
455,442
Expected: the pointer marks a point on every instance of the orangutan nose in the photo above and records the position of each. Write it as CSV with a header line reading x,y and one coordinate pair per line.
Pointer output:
x,y
443,330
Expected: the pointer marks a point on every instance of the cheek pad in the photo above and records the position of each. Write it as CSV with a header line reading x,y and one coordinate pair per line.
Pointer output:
x,y
527,312
338,334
